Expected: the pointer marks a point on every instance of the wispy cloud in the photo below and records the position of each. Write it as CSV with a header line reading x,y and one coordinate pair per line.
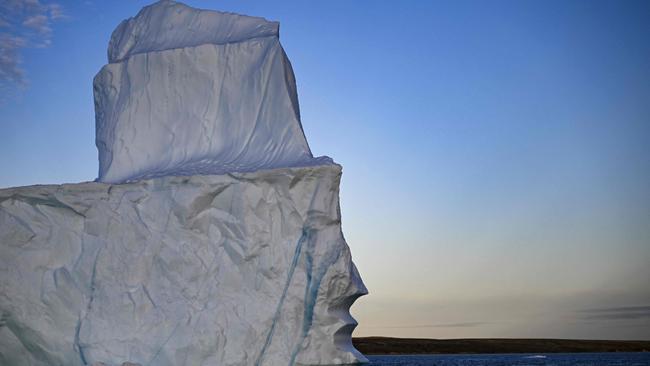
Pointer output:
x,y
23,24
443,325
38,23
10,58
56,12
616,313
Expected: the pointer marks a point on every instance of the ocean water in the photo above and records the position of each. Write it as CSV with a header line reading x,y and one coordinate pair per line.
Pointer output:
x,y
548,359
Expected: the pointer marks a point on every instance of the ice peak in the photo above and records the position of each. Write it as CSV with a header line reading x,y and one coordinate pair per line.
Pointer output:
x,y
190,91
168,24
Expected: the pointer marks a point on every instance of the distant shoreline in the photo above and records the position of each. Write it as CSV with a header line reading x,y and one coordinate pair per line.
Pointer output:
x,y
402,346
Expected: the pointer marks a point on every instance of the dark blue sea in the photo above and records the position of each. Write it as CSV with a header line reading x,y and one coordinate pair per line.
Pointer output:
x,y
545,359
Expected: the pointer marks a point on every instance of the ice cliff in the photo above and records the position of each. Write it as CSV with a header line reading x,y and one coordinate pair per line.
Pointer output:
x,y
237,269
211,236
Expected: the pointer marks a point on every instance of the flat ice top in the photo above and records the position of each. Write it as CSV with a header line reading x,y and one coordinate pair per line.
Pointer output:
x,y
167,25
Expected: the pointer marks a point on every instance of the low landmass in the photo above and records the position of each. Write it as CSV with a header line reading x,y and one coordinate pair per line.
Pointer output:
x,y
397,346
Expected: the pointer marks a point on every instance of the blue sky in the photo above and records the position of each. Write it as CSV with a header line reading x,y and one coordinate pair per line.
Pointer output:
x,y
496,154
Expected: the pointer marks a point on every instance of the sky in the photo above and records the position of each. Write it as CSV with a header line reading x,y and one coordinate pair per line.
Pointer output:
x,y
496,155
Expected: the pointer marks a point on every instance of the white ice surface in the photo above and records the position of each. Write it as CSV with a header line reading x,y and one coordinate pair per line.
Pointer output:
x,y
238,269
196,92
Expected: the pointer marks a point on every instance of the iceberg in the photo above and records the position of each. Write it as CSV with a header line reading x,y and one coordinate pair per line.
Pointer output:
x,y
211,236
191,91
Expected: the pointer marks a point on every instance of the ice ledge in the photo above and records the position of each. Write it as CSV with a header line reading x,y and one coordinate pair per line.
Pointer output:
x,y
209,167
167,24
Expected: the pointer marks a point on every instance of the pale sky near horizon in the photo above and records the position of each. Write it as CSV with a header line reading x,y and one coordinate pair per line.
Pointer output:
x,y
496,154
